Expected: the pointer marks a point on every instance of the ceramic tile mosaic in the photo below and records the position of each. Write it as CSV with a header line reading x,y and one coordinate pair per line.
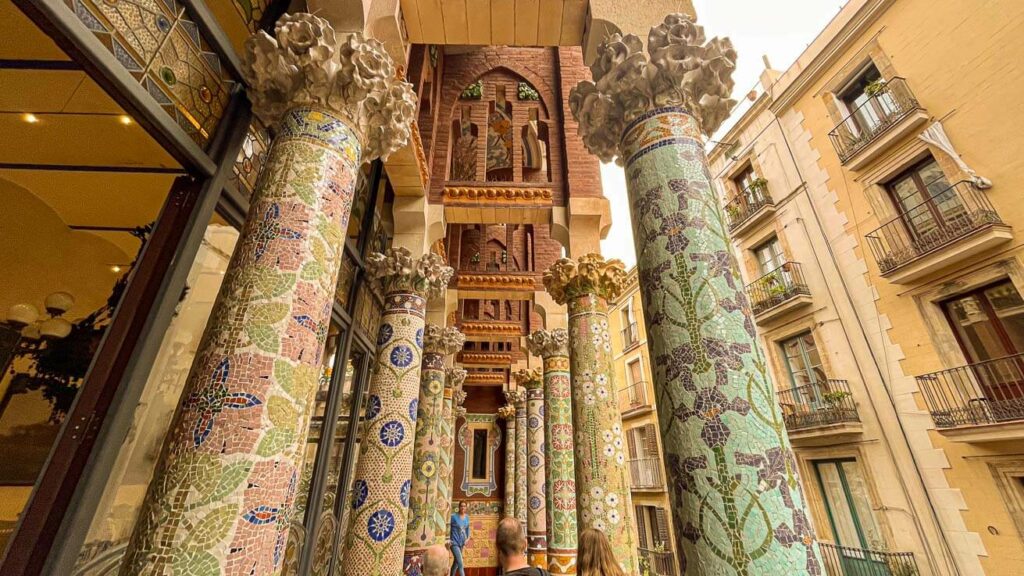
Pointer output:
x,y
444,468
509,414
479,486
736,498
222,500
480,551
521,452
536,504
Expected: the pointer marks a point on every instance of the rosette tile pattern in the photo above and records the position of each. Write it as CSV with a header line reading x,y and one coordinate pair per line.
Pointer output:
x,y
422,525
508,414
602,478
222,499
536,503
560,461
454,379
733,480
377,528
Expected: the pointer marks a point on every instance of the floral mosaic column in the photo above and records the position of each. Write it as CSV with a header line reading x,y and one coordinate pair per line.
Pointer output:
x,y
602,479
453,398
422,524
736,498
536,505
223,498
518,397
508,413
560,466
382,484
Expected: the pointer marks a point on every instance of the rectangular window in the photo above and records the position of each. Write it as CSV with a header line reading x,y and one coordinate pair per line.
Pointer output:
x,y
769,255
635,372
803,363
867,106
925,200
848,503
479,469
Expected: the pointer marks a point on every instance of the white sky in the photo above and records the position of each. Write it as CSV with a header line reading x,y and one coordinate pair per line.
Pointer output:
x,y
780,29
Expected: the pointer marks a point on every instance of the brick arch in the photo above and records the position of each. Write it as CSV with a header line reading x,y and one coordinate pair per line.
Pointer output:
x,y
547,94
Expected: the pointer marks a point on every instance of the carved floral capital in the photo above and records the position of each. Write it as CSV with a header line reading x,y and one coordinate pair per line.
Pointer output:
x,y
517,397
507,412
681,68
458,397
304,64
459,412
442,340
454,378
529,378
591,274
398,271
548,343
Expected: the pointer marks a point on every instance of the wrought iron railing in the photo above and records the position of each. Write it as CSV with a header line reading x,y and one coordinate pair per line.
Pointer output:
x,y
747,203
849,561
891,102
656,562
630,335
645,473
816,404
944,218
778,286
982,393
633,397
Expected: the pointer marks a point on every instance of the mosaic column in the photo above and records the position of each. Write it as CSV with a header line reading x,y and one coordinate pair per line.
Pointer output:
x,y
423,504
602,479
735,494
518,397
382,484
454,395
508,413
560,466
536,514
223,496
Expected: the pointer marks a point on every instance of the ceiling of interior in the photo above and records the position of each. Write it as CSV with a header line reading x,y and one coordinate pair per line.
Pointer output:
x,y
498,22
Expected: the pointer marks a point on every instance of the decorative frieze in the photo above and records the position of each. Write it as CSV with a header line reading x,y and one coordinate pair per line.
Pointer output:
x,y
485,378
493,329
501,281
497,195
486,358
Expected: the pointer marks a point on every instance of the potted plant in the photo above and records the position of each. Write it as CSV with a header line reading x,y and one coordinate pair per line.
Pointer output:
x,y
876,87
835,397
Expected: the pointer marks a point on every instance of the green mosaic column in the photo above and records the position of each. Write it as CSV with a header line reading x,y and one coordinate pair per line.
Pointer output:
x,y
508,413
453,398
560,467
518,399
736,498
223,496
536,514
602,479
382,484
422,525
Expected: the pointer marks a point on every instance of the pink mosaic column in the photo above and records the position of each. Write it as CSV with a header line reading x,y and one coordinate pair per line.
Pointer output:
x,y
222,499
454,395
602,479
423,504
508,413
536,519
382,484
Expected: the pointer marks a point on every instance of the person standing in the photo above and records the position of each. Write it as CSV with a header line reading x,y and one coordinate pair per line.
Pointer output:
x,y
459,535
511,544
596,557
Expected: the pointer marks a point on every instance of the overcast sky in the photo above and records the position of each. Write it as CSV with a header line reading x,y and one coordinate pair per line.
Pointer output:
x,y
780,29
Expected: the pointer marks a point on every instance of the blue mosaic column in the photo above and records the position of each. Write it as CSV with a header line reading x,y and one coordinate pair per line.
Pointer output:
x,y
536,514
382,483
733,481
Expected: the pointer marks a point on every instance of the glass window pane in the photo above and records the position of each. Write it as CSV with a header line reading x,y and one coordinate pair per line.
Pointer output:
x,y
838,507
1009,309
861,498
977,333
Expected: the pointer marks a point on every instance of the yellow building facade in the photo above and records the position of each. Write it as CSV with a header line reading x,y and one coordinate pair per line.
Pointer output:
x,y
872,194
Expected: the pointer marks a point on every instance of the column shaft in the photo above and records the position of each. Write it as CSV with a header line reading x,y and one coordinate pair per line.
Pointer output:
x,y
536,505
508,413
453,397
521,484
223,494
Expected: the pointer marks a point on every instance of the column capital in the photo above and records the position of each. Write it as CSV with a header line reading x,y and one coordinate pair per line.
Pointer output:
x,y
516,397
398,271
683,69
440,340
507,412
458,397
591,274
305,64
548,343
454,378
529,379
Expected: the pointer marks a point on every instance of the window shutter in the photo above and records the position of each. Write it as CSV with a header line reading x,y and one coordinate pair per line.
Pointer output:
x,y
631,442
650,440
662,519
641,529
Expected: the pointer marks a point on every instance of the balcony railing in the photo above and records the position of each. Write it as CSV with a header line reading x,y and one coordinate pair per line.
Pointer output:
x,y
630,335
848,561
944,218
818,404
657,563
645,473
892,102
778,286
633,397
983,393
747,203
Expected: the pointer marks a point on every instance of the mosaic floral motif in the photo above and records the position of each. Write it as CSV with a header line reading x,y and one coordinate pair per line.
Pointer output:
x,y
454,378
508,414
536,515
522,449
223,498
733,480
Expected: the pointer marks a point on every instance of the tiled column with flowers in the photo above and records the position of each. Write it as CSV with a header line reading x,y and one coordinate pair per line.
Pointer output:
x,y
518,398
536,505
602,478
560,466
508,414
422,525
733,480
222,499
454,395
382,483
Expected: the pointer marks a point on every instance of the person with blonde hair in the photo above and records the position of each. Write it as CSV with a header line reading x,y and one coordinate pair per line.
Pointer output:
x,y
595,556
